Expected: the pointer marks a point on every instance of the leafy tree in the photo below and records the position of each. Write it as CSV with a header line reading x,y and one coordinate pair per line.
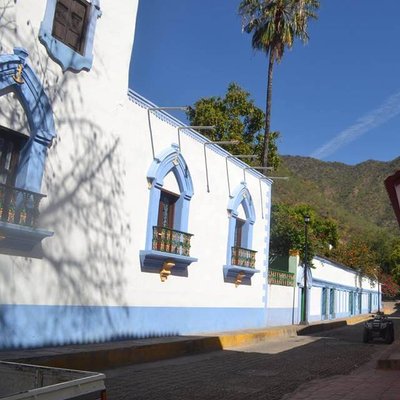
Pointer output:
x,y
275,24
389,287
395,262
358,254
235,117
288,231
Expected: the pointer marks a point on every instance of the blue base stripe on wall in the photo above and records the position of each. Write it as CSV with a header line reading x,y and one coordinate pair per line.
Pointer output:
x,y
281,316
35,326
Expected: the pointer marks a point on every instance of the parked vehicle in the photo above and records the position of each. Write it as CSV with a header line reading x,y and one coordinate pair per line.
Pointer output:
x,y
380,326
23,382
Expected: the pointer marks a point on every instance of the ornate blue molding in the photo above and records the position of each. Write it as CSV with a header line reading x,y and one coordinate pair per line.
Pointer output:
x,y
65,56
16,75
241,197
233,272
168,161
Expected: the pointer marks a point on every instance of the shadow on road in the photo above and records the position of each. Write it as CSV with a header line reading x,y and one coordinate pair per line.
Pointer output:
x,y
251,373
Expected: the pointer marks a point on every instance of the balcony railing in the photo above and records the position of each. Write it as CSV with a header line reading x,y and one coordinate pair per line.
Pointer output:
x,y
171,241
19,206
243,257
283,278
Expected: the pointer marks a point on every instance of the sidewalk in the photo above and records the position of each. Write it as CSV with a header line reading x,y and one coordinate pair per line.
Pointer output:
x,y
95,357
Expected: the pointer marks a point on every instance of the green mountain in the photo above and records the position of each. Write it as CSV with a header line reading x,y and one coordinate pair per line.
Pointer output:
x,y
353,195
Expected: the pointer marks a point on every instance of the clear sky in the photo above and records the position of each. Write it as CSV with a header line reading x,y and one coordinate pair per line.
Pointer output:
x,y
337,98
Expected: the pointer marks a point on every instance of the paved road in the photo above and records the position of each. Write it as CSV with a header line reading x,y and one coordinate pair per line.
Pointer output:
x,y
267,370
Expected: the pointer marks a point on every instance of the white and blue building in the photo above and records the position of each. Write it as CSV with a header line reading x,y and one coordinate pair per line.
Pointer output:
x,y
333,291
146,227
116,221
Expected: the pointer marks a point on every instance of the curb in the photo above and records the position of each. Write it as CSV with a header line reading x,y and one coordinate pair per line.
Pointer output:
x,y
390,358
112,355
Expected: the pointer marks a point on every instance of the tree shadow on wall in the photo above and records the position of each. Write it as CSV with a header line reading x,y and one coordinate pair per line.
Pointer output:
x,y
82,269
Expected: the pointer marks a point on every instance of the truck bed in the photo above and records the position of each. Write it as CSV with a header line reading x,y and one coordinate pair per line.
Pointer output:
x,y
23,381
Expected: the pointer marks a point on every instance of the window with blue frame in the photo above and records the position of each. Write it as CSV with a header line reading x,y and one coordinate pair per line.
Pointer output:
x,y
167,237
67,31
324,302
351,303
332,303
22,158
240,259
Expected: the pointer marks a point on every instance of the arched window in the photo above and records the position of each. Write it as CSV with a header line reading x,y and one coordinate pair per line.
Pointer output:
x,y
23,158
240,260
167,240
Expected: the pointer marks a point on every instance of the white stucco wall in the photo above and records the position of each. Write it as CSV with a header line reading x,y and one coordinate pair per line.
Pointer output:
x,y
315,302
282,305
344,281
97,205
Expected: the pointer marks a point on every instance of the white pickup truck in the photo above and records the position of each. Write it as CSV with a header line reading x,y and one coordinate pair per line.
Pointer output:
x,y
23,381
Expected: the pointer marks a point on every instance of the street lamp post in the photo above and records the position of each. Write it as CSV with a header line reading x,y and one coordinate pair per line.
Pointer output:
x,y
379,295
304,320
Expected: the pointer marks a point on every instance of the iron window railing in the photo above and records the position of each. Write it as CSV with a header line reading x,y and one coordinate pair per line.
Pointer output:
x,y
243,257
171,241
19,206
283,278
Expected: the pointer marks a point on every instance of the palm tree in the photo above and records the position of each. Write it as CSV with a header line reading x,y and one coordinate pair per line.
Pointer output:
x,y
274,25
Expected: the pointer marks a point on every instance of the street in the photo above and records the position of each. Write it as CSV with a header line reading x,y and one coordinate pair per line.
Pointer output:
x,y
266,370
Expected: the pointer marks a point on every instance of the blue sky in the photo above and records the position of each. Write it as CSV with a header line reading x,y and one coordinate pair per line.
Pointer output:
x,y
336,98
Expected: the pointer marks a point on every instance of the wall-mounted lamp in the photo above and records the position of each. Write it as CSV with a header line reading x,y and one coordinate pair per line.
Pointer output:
x,y
185,108
244,156
197,128
221,142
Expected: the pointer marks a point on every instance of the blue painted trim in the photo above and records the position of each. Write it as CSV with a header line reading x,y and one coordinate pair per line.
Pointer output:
x,y
241,196
169,119
168,161
280,316
41,325
39,113
343,314
63,55
21,237
31,164
155,259
324,303
231,272
322,283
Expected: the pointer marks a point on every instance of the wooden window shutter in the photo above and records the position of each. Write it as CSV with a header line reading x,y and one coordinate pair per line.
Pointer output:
x,y
238,232
70,21
166,209
61,17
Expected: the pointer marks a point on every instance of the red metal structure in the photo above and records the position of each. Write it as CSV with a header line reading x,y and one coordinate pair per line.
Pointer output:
x,y
392,184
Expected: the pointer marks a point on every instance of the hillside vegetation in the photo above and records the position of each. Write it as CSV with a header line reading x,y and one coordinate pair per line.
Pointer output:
x,y
353,195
